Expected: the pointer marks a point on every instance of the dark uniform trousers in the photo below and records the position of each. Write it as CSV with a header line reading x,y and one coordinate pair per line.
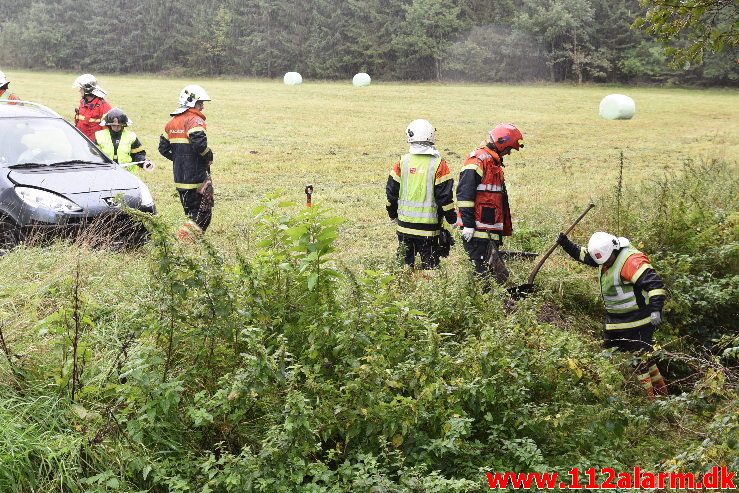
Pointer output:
x,y
479,251
426,247
196,207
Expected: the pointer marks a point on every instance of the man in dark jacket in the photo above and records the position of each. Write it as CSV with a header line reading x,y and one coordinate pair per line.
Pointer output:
x,y
633,296
185,143
482,199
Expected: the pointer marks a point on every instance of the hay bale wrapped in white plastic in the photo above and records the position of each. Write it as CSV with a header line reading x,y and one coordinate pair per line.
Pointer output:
x,y
361,80
617,107
292,79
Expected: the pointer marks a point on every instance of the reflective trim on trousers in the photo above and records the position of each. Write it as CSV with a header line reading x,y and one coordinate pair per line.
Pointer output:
x,y
187,186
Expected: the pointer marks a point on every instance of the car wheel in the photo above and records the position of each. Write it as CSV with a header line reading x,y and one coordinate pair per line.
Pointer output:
x,y
8,236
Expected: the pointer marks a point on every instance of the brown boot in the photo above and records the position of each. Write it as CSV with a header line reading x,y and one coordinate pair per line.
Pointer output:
x,y
188,232
646,382
658,381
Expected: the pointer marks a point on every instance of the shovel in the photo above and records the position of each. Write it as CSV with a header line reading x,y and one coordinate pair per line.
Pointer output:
x,y
524,289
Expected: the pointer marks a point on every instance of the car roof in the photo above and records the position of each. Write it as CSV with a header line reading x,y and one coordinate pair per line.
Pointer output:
x,y
25,109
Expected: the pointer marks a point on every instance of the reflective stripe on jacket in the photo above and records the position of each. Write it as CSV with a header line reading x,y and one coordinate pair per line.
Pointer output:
x,y
416,201
121,153
185,143
420,191
89,115
626,305
482,197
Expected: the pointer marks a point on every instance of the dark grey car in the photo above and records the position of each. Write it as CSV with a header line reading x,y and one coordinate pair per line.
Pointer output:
x,y
55,182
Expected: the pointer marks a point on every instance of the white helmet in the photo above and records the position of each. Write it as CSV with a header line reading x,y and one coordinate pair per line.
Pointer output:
x,y
192,94
419,131
3,80
601,245
89,84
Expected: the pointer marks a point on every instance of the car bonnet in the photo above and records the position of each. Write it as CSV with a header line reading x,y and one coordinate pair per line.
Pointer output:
x,y
74,180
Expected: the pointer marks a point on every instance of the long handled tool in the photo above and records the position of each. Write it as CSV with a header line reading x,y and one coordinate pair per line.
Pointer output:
x,y
524,289
147,165
309,195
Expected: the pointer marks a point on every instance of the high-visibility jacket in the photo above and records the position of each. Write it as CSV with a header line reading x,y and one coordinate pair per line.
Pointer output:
x,y
185,143
482,197
627,304
6,95
122,147
420,191
89,115
630,287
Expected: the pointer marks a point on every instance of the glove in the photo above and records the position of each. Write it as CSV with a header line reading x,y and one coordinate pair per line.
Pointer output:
x,y
562,239
148,166
656,318
467,233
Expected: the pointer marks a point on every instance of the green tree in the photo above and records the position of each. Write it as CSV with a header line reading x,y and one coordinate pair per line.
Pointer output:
x,y
425,35
564,27
690,28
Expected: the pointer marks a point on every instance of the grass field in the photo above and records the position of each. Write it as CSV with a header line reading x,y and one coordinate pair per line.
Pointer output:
x,y
343,139
267,136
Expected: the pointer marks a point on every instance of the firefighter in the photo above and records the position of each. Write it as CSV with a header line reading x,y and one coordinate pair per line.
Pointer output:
x,y
5,94
420,192
483,201
185,143
633,296
119,143
93,106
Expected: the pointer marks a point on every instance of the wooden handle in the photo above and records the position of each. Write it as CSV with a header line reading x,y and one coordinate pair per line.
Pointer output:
x,y
554,247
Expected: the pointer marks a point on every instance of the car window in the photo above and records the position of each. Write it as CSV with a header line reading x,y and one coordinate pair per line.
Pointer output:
x,y
43,141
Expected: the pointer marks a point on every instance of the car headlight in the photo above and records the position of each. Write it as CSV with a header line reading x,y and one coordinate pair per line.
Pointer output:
x,y
146,199
46,200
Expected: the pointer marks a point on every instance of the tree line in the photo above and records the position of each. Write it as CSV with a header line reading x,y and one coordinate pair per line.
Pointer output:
x,y
465,40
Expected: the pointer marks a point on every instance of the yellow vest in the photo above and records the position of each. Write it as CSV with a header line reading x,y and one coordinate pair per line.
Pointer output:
x,y
123,153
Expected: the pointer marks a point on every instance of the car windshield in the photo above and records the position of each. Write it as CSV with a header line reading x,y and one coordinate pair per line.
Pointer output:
x,y
43,141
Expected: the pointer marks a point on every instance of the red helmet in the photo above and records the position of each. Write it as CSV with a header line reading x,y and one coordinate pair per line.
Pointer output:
x,y
505,136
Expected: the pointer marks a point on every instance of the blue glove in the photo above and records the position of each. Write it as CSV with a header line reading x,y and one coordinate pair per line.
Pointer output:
x,y
656,318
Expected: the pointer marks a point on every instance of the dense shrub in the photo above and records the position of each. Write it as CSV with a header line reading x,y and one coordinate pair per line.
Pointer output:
x,y
689,226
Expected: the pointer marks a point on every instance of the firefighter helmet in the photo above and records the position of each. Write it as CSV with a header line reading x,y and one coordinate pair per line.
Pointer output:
x,y
3,80
601,245
192,94
116,116
89,84
505,137
420,131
